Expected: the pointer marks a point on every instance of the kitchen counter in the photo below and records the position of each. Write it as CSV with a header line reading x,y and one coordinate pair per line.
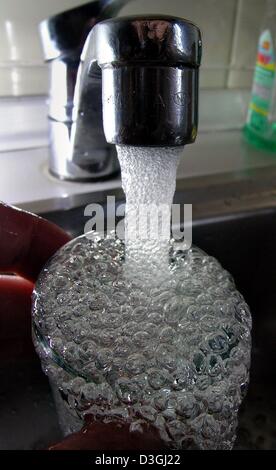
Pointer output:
x,y
26,182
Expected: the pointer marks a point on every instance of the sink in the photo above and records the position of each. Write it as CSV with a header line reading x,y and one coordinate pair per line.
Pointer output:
x,y
240,231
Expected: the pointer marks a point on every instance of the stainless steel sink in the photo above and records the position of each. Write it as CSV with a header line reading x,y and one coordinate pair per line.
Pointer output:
x,y
235,221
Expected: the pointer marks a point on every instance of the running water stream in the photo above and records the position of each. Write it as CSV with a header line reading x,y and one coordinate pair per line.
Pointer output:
x,y
148,179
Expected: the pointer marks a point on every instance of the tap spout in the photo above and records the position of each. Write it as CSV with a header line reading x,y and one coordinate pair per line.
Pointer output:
x,y
149,71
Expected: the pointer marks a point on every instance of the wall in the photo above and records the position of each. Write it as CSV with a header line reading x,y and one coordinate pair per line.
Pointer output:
x,y
230,31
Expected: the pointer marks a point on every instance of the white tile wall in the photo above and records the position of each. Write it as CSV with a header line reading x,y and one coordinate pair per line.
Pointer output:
x,y
18,26
245,39
230,31
21,64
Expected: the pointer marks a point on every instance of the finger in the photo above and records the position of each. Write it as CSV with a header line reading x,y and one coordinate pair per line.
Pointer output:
x,y
15,319
111,436
27,241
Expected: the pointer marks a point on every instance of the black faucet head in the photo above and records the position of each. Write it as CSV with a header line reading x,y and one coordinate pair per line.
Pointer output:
x,y
150,79
154,39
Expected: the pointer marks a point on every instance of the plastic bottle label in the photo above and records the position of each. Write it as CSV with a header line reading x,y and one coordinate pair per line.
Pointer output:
x,y
263,83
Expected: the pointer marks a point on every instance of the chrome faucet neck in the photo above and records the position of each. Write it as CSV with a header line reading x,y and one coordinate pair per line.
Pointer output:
x,y
63,38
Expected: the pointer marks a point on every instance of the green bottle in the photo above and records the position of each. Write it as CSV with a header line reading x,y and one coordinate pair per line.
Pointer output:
x,y
260,128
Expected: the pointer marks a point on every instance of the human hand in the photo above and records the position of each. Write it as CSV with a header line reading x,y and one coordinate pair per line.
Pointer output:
x,y
26,243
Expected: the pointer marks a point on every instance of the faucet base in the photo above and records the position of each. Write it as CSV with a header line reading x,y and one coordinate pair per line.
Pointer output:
x,y
88,179
94,163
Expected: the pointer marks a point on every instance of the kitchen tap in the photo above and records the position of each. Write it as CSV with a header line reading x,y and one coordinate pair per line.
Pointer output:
x,y
126,81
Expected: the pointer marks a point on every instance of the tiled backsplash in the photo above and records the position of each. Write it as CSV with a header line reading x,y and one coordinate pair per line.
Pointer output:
x,y
249,15
230,31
